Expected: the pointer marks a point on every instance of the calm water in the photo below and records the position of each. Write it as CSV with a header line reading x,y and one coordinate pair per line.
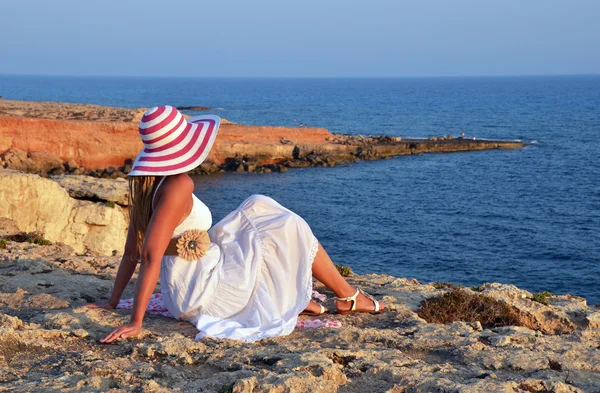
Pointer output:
x,y
529,217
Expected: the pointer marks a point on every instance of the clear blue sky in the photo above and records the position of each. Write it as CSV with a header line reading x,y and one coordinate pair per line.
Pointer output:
x,y
279,38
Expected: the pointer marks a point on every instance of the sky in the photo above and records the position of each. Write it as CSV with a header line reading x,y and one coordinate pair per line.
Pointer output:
x,y
308,38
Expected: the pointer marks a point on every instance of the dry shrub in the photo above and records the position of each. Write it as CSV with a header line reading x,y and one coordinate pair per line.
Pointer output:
x,y
466,306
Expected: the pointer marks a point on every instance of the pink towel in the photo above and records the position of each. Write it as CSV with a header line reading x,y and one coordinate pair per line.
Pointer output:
x,y
156,305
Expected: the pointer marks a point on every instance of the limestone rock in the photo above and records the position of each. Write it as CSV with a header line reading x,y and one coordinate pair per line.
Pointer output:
x,y
37,204
8,227
16,159
43,161
593,320
43,328
95,189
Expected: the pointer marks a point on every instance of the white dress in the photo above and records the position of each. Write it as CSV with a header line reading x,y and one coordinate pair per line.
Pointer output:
x,y
255,278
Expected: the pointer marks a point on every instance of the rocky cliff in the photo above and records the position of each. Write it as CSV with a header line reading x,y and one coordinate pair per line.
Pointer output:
x,y
42,205
100,144
40,137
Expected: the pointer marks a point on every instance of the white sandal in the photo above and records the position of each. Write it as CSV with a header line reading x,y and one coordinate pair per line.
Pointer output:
x,y
353,300
321,312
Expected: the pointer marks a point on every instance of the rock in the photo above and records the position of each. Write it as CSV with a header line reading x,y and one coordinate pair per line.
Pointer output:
x,y
593,320
44,161
499,341
57,171
8,227
193,108
432,138
10,322
391,352
313,158
98,137
84,225
295,164
110,173
16,159
71,166
94,189
547,318
296,153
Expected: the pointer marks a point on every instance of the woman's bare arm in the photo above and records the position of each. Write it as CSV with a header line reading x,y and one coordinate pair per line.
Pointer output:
x,y
173,204
127,267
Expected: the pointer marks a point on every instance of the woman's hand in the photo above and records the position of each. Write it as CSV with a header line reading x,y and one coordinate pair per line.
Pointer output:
x,y
102,304
129,330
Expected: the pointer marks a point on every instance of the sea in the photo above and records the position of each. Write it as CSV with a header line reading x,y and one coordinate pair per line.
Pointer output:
x,y
528,217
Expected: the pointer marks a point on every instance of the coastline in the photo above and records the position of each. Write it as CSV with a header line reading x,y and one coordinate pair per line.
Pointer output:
x,y
95,138
48,341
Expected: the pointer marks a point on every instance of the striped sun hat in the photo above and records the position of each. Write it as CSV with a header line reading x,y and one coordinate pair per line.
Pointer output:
x,y
173,145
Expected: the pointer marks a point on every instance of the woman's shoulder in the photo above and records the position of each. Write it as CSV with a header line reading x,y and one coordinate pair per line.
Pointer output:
x,y
180,182
175,187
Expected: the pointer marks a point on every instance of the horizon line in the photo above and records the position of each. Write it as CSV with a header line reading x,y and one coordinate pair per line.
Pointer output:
x,y
302,77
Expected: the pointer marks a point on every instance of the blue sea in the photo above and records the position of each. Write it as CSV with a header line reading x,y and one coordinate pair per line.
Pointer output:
x,y
529,217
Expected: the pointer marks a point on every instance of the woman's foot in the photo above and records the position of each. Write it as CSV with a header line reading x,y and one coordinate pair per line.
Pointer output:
x,y
314,308
363,301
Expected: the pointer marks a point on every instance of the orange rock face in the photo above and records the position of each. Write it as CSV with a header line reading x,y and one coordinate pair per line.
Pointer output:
x,y
99,144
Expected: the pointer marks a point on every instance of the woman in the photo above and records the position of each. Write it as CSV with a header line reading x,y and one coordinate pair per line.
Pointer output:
x,y
248,278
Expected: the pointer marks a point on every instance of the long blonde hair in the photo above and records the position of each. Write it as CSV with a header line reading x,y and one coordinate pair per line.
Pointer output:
x,y
141,192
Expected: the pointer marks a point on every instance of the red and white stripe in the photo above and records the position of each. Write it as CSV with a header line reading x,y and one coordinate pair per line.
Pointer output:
x,y
172,144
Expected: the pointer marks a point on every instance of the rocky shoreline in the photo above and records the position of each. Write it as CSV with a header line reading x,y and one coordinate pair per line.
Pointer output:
x,y
497,338
49,342
52,139
60,238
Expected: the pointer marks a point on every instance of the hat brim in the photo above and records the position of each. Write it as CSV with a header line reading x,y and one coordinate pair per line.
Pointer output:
x,y
184,158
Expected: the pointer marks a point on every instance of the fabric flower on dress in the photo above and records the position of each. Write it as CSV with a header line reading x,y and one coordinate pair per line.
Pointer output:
x,y
193,244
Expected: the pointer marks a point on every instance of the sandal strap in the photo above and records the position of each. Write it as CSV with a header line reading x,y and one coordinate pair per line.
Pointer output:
x,y
322,309
375,302
353,300
350,299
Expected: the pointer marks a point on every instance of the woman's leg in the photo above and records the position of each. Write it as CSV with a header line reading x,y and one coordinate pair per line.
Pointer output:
x,y
325,271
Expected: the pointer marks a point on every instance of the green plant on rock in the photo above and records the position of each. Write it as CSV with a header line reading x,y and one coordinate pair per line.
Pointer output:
x,y
38,238
476,288
110,204
3,243
345,271
40,241
542,297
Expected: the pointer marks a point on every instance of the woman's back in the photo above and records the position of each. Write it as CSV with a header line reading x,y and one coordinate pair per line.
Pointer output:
x,y
199,217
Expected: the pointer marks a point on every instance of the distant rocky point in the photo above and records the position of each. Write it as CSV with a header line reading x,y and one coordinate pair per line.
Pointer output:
x,y
193,108
57,138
